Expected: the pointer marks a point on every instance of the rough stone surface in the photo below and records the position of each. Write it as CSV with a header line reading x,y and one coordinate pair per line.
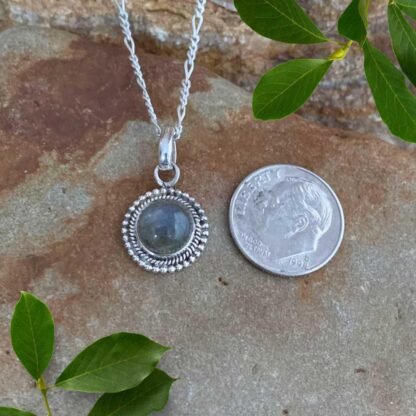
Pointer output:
x,y
76,150
230,48
3,16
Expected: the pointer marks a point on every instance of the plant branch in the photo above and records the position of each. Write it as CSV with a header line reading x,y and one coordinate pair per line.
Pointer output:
x,y
44,391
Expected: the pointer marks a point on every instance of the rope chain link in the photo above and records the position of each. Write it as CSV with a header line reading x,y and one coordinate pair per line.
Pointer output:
x,y
189,65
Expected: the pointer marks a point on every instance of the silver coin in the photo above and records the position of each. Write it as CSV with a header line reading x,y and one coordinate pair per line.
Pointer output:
x,y
286,220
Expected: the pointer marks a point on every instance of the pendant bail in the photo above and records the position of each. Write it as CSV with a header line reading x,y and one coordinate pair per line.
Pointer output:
x,y
167,159
167,150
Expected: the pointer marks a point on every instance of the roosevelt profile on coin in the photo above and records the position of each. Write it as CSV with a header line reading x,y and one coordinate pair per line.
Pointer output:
x,y
291,217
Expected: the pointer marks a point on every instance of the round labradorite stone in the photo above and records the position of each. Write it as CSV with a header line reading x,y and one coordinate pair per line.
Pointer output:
x,y
165,227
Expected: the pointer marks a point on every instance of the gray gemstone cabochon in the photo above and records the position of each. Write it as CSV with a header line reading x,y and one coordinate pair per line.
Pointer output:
x,y
165,227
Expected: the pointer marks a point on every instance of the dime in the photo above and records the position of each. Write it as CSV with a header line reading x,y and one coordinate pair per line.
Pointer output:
x,y
286,220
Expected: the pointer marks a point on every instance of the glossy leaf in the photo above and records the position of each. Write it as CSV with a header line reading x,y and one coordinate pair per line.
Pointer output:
x,y
8,411
354,21
112,364
395,103
284,89
32,334
150,396
408,6
403,38
282,20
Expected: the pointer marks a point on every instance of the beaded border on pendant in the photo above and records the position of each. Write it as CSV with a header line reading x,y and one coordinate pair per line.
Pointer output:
x,y
176,261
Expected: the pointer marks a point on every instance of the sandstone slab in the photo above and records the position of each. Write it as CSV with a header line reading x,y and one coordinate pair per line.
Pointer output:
x,y
77,149
229,47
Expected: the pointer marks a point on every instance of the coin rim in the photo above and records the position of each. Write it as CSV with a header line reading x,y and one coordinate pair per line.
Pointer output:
x,y
241,248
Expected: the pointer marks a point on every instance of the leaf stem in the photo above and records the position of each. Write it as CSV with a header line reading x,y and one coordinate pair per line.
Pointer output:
x,y
340,53
44,391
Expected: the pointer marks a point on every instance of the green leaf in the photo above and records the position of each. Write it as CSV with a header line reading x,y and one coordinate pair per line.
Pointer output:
x,y
354,21
403,39
32,334
112,364
8,411
395,103
150,396
282,20
284,89
408,6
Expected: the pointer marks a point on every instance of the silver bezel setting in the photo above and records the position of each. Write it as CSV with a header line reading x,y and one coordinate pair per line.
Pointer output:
x,y
172,262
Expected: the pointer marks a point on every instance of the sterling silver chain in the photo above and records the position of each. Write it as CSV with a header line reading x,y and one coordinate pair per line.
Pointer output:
x,y
197,21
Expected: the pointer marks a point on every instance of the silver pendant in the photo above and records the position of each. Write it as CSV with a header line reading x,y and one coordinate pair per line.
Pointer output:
x,y
165,230
286,220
